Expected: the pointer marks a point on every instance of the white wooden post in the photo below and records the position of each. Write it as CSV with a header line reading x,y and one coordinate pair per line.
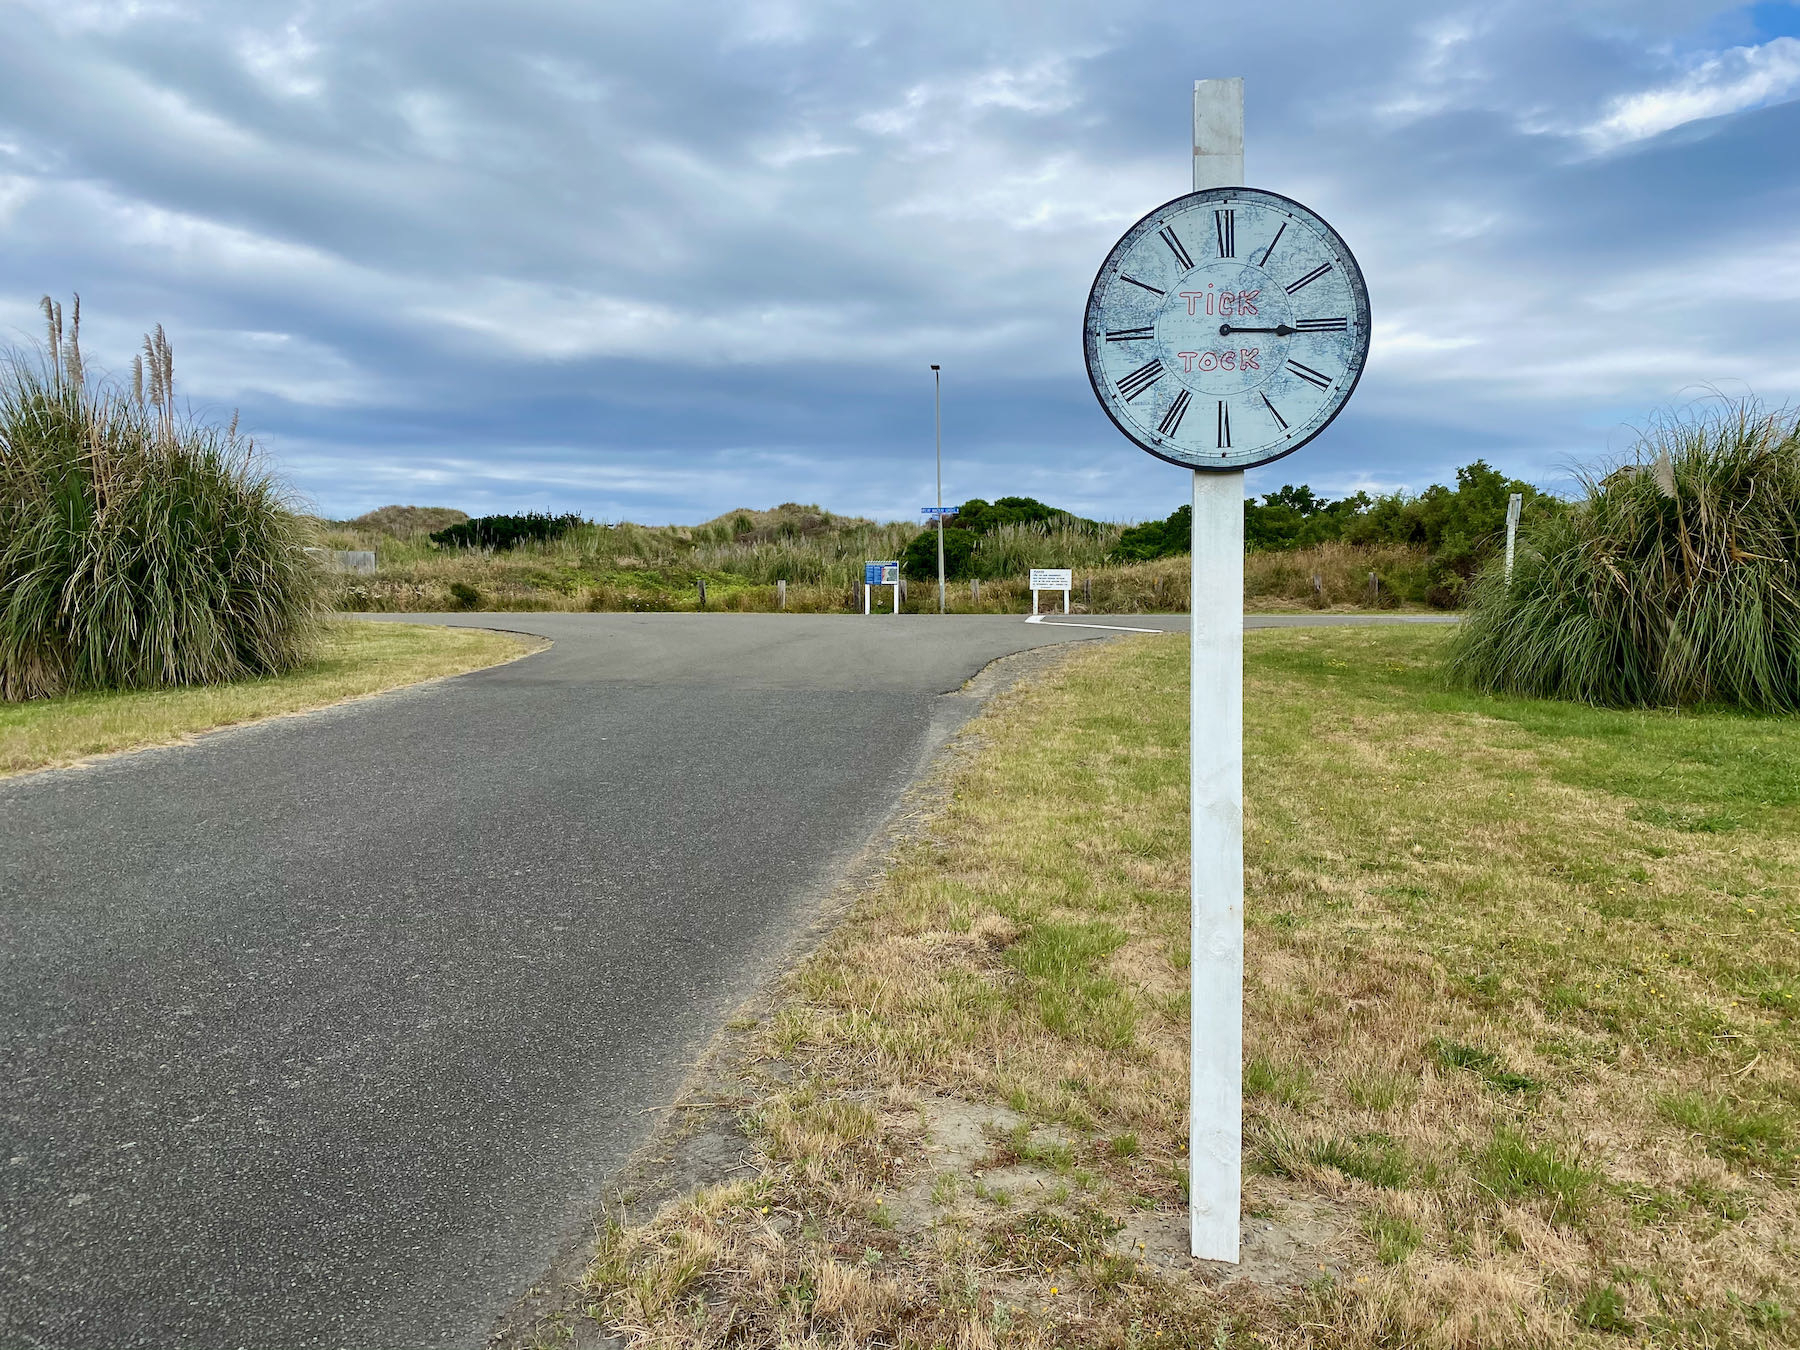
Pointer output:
x,y
1216,736
1513,503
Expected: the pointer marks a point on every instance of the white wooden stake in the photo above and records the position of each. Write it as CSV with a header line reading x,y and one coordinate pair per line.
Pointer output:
x,y
1216,735
1513,503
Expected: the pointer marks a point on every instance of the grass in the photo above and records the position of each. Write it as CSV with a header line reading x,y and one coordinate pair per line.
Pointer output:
x,y
1676,581
1521,1070
138,547
352,660
741,555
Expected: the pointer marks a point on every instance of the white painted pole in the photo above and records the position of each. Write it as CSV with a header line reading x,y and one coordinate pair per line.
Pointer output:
x,y
937,378
1065,599
866,589
1513,504
1216,736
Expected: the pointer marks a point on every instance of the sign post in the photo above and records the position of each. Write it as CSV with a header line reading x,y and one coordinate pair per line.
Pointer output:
x,y
881,574
937,382
1216,783
1051,579
1226,329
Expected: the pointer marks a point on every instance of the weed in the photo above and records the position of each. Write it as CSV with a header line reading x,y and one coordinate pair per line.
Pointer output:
x,y
1395,1238
1603,1309
1287,1083
1485,1065
1742,1136
1513,1167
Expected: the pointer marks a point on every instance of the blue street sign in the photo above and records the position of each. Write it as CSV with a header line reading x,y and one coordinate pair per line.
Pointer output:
x,y
881,573
938,510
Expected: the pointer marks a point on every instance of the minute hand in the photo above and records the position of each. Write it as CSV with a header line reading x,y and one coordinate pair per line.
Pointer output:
x,y
1280,330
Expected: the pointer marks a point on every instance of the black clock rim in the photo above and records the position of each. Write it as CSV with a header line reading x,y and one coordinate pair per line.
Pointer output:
x,y
1129,433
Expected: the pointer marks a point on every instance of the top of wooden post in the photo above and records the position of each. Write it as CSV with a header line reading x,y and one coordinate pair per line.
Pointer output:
x,y
1218,133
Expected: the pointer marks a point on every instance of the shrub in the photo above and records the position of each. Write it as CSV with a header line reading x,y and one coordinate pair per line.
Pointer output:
x,y
137,547
920,558
1676,580
506,531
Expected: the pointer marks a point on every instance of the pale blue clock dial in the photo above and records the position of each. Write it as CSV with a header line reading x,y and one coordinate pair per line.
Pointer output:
x,y
1227,328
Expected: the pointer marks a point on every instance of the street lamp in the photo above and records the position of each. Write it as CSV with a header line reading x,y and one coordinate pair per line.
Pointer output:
x,y
937,379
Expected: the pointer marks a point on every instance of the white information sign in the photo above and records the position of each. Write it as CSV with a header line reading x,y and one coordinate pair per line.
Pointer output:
x,y
1051,579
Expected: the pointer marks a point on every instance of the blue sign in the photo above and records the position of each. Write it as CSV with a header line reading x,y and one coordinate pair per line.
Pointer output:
x,y
871,574
939,510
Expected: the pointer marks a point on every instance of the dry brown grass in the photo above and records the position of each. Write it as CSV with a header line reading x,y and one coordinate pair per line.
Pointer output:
x,y
1520,1037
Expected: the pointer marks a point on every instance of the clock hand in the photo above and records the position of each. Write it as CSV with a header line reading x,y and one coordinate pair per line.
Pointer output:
x,y
1280,330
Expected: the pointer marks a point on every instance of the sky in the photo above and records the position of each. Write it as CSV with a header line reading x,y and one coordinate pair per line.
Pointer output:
x,y
656,262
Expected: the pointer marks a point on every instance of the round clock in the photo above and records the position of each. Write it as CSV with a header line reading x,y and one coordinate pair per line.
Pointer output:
x,y
1227,328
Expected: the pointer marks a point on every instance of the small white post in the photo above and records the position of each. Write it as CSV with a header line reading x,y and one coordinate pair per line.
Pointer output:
x,y
781,595
1513,505
896,592
1034,599
1216,766
866,589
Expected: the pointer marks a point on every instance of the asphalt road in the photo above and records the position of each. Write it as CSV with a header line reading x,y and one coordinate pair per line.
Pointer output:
x,y
328,1032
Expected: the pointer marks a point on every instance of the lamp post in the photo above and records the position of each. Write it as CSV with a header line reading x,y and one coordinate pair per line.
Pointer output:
x,y
937,380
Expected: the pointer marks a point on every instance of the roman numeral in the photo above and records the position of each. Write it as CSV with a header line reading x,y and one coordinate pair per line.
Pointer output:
x,y
1131,335
1310,375
1171,422
1225,222
1141,379
1181,254
1310,277
1279,419
1321,325
1146,285
1224,425
1276,240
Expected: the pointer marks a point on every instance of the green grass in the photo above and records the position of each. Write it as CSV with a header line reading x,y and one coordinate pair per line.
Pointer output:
x,y
352,660
1520,1065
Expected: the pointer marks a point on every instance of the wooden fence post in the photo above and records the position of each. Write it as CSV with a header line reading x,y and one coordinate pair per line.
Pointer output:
x,y
975,591
781,595
702,586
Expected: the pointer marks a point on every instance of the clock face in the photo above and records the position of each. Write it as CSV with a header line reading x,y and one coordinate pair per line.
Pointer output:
x,y
1227,328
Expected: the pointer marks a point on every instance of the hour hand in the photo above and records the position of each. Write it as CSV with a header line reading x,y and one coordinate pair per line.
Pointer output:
x,y
1280,330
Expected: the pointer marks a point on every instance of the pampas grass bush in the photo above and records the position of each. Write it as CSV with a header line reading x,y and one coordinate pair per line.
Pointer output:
x,y
138,547
1676,581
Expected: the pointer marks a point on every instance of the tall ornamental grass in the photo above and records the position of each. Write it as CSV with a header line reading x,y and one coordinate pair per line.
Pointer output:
x,y
137,547
1676,581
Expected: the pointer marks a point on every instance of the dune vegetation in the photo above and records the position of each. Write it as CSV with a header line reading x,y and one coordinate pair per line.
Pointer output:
x,y
138,546
1676,580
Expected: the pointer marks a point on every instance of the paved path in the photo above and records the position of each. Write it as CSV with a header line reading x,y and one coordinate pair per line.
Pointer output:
x,y
327,1032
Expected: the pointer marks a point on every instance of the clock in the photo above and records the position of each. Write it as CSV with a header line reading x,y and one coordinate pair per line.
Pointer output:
x,y
1227,328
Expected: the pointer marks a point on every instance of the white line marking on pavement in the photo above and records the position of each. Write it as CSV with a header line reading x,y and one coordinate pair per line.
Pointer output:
x,y
1109,627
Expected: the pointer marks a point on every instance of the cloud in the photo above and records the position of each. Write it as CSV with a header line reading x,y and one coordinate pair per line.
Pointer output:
x,y
654,261
1716,86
